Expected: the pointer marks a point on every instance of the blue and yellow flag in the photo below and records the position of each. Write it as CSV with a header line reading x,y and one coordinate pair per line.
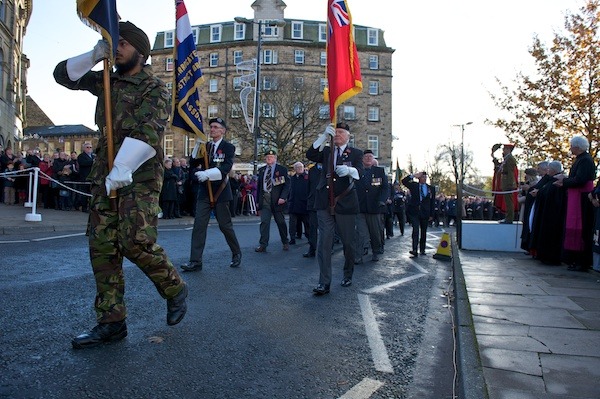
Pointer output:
x,y
102,16
187,117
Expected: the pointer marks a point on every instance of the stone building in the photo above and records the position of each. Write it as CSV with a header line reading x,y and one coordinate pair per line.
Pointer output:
x,y
14,17
292,77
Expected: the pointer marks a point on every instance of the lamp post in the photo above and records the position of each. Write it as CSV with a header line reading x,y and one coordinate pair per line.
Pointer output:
x,y
256,108
459,186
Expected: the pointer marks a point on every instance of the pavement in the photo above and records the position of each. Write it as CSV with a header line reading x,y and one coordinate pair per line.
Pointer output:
x,y
524,330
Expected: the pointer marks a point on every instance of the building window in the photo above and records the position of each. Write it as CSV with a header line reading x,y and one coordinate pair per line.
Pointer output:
x,y
298,83
213,86
168,145
238,56
269,57
373,62
269,83
373,87
169,36
169,64
196,34
322,84
215,33
372,37
297,30
213,111
268,110
373,145
323,33
373,114
239,31
324,111
237,83
323,58
349,112
169,86
298,111
269,29
299,56
236,111
214,60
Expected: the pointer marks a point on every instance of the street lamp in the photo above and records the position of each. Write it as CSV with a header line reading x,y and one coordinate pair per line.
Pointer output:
x,y
459,186
256,111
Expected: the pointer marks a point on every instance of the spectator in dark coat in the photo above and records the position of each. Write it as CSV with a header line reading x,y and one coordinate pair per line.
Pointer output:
x,y
297,201
168,195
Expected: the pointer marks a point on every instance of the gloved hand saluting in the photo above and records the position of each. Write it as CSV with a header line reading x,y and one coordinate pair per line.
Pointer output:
x,y
322,140
82,64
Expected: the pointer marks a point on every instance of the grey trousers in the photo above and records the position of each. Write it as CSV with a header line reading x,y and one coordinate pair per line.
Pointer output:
x,y
265,223
346,229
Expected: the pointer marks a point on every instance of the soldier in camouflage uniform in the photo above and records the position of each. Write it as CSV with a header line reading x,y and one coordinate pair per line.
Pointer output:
x,y
139,112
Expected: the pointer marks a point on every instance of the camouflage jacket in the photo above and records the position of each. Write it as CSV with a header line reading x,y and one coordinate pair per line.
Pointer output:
x,y
139,111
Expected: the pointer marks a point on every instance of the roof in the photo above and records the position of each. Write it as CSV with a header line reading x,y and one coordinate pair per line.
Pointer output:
x,y
61,130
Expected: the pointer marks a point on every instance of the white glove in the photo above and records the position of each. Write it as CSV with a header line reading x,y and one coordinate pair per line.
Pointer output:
x,y
80,65
132,154
214,174
322,140
344,170
201,175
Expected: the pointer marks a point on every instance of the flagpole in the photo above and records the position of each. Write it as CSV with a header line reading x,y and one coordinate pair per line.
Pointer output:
x,y
332,163
109,130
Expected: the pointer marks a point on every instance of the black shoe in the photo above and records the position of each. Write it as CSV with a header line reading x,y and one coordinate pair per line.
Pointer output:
x,y
413,253
260,248
177,306
374,258
309,254
321,289
236,260
422,252
103,332
346,282
292,242
191,266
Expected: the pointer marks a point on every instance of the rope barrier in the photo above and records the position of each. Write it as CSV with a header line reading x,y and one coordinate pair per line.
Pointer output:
x,y
492,192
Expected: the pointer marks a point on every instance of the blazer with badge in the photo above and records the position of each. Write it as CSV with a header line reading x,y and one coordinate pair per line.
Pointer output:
x,y
424,208
280,189
222,159
373,190
344,187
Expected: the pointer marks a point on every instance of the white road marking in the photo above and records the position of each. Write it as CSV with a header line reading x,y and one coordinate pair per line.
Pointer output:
x,y
384,287
363,389
57,237
378,350
421,268
14,242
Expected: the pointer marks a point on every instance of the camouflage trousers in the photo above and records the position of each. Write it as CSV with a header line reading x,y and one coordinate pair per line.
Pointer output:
x,y
129,232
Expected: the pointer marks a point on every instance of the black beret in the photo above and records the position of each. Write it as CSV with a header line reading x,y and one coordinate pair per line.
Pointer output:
x,y
136,37
270,152
220,121
365,152
343,125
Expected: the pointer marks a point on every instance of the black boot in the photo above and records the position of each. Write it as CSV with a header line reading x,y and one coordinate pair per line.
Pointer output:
x,y
177,306
103,332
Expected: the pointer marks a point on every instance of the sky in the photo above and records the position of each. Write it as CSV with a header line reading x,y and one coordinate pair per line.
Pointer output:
x,y
447,57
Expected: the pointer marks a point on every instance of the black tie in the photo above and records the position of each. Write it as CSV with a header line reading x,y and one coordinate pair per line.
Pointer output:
x,y
268,179
423,193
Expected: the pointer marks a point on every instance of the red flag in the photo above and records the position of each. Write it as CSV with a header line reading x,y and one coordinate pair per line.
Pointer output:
x,y
343,67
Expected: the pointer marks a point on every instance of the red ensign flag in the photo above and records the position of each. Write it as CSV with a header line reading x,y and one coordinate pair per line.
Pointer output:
x,y
343,67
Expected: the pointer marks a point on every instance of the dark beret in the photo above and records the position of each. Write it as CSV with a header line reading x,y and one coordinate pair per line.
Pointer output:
x,y
220,121
136,37
270,152
365,152
343,125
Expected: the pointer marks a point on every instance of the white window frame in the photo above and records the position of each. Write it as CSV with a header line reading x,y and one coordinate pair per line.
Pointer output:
x,y
169,64
297,30
349,112
237,83
373,144
299,57
213,85
324,111
373,62
213,60
212,111
236,111
215,33
269,29
269,57
196,34
238,56
269,83
372,37
373,87
169,39
168,145
239,31
298,82
323,33
373,114
323,58
268,110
